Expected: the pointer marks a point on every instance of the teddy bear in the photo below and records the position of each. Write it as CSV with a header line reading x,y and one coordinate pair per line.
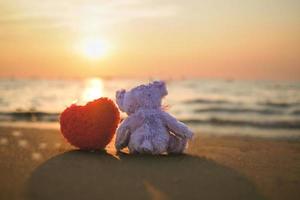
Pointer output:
x,y
149,129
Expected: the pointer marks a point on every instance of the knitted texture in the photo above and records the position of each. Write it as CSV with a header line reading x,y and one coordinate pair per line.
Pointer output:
x,y
90,127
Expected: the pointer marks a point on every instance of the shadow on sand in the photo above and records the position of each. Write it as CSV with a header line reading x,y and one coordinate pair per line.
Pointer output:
x,y
85,175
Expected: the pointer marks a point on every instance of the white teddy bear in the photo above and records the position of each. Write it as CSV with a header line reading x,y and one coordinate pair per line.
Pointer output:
x,y
148,128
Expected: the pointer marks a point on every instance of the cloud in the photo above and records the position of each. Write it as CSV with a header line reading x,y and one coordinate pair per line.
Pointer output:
x,y
73,14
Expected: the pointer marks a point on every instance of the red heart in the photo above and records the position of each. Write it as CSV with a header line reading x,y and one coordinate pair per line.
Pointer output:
x,y
90,127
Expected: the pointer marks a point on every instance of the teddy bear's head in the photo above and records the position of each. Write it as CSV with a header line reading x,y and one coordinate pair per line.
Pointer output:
x,y
141,97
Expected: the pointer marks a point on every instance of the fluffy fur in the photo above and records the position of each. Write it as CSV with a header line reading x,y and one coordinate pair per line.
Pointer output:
x,y
90,127
148,128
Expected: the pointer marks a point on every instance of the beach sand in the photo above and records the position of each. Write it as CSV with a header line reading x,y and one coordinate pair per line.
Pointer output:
x,y
39,164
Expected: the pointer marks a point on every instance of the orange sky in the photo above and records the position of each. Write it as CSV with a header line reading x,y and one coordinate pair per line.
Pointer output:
x,y
251,39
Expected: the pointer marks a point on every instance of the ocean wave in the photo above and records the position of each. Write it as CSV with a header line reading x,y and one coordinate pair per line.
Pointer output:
x,y
54,117
238,110
279,104
269,104
29,116
295,112
206,101
244,123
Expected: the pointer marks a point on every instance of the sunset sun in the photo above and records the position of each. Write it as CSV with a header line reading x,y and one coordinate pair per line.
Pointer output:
x,y
93,48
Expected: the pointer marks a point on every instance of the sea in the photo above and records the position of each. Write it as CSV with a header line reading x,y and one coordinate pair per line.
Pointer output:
x,y
269,109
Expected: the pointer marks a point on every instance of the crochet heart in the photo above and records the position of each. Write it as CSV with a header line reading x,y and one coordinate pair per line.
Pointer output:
x,y
90,127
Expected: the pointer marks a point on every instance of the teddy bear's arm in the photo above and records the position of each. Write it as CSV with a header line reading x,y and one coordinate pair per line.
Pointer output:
x,y
177,127
122,135
126,128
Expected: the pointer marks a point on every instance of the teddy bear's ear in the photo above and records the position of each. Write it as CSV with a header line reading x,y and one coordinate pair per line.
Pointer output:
x,y
120,98
120,93
162,87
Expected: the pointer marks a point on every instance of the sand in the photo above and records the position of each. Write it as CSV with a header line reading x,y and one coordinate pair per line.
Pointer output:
x,y
39,164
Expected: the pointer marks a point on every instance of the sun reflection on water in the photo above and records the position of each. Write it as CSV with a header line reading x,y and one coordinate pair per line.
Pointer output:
x,y
93,90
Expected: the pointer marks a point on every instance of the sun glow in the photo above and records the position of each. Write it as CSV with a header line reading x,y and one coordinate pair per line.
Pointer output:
x,y
94,48
93,90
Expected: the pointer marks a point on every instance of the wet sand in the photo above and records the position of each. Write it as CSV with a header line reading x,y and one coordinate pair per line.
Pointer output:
x,y
39,164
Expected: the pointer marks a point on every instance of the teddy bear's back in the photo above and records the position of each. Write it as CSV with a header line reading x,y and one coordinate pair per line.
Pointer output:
x,y
151,135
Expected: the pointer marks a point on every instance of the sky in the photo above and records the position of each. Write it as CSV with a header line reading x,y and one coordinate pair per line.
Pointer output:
x,y
227,39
